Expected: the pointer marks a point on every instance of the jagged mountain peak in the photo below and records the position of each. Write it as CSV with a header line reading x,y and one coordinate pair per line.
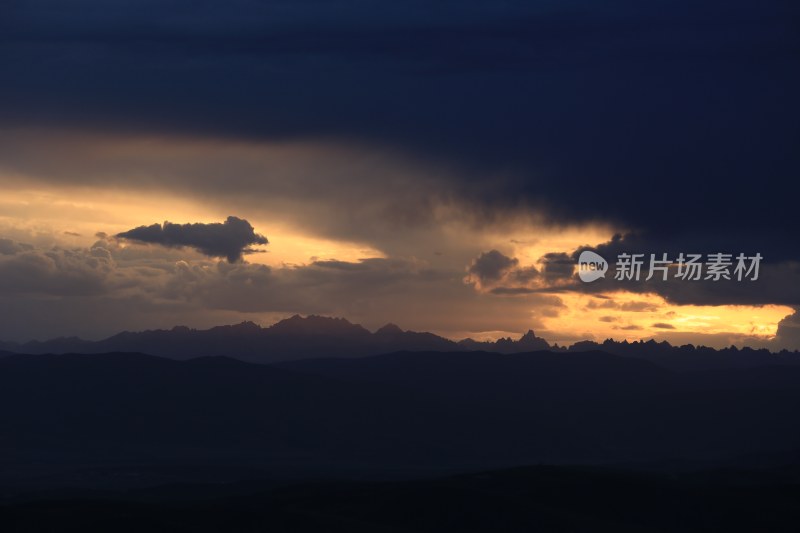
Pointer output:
x,y
389,328
317,325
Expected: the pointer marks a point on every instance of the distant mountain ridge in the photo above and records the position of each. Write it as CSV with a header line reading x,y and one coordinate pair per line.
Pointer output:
x,y
315,336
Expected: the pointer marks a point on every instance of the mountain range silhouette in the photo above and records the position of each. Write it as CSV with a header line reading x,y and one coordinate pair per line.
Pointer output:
x,y
314,336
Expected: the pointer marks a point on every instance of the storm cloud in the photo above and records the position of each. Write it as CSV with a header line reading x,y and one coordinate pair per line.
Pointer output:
x,y
230,239
654,108
489,268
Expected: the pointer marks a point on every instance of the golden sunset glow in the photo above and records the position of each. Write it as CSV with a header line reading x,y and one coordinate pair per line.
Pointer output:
x,y
71,217
633,316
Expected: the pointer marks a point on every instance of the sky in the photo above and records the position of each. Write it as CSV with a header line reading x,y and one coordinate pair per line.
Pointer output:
x,y
438,165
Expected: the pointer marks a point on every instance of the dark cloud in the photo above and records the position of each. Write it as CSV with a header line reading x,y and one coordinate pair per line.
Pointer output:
x,y
524,275
788,334
498,274
490,267
557,266
663,325
229,239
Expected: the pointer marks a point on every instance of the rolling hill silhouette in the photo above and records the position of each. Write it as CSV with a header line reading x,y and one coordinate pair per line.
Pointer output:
x,y
416,412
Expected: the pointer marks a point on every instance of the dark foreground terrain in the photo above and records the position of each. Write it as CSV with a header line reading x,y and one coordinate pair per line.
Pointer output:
x,y
543,498
132,442
420,411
